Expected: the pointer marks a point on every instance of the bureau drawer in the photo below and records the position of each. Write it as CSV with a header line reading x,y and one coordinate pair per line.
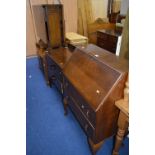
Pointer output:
x,y
69,90
101,43
54,70
58,84
103,36
90,131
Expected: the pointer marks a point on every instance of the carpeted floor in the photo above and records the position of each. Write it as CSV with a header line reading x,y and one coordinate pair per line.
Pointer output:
x,y
48,131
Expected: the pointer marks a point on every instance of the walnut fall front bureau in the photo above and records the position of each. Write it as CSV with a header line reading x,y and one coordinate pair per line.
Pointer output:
x,y
93,80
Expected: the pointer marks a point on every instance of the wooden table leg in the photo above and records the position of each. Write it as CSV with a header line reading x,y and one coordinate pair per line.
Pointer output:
x,y
122,127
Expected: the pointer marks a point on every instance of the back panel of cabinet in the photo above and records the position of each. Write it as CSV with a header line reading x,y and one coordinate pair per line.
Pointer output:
x,y
55,25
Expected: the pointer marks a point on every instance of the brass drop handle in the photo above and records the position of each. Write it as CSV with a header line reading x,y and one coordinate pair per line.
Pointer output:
x,y
87,113
82,106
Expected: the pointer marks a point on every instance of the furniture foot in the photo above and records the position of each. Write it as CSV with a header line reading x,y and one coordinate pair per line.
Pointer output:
x,y
65,103
94,147
119,139
48,83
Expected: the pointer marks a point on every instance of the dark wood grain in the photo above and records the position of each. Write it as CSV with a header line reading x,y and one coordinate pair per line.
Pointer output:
x,y
56,60
55,25
91,87
107,39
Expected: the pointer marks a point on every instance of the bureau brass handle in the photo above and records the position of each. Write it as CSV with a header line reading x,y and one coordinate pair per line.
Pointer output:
x,y
87,112
82,106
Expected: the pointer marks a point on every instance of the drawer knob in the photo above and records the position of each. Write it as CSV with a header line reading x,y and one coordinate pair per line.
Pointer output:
x,y
82,106
87,113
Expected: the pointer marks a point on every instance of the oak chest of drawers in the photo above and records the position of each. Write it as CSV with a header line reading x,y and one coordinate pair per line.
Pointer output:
x,y
93,81
108,39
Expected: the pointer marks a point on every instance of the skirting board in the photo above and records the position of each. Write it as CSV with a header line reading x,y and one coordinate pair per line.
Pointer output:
x,y
31,56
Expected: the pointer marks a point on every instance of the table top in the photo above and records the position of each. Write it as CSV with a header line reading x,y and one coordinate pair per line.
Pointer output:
x,y
123,106
60,55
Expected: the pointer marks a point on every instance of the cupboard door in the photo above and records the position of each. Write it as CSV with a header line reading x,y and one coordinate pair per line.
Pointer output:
x,y
55,25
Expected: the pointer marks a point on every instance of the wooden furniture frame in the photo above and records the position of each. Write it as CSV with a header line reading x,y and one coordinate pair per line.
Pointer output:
x,y
96,114
108,39
41,52
123,120
55,26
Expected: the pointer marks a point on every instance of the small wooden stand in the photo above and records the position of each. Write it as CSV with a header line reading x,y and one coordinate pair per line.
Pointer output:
x,y
123,120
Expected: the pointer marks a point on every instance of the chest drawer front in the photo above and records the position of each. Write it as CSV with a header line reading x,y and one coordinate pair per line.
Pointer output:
x,y
101,43
103,36
84,107
113,39
90,131
110,46
58,73
59,86
54,71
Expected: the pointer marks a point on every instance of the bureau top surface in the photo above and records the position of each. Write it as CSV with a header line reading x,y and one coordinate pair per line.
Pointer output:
x,y
94,79
60,55
110,32
103,55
